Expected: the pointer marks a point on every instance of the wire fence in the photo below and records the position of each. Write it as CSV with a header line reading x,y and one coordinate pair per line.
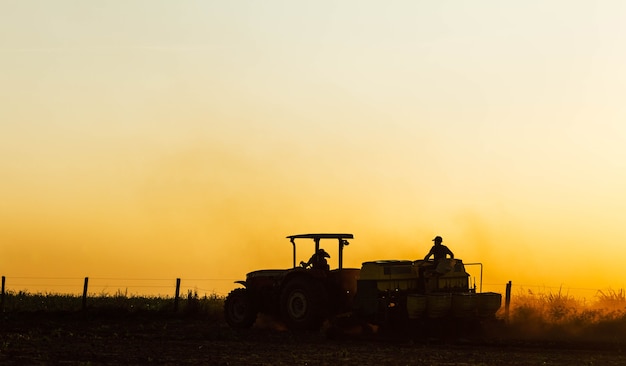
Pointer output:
x,y
585,293
101,286
215,287
211,286
475,272
126,294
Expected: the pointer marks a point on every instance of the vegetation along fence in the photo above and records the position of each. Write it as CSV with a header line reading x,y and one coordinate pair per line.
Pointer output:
x,y
70,299
96,294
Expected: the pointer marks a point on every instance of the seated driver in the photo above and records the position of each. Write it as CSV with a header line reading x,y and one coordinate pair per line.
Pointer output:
x,y
318,260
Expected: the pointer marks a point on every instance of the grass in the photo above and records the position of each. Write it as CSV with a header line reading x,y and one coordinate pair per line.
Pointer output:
x,y
556,316
120,302
561,316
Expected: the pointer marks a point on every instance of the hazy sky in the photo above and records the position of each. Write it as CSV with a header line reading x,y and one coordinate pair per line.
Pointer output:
x,y
164,139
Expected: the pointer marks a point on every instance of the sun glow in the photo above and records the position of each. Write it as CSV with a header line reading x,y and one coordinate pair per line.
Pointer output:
x,y
187,140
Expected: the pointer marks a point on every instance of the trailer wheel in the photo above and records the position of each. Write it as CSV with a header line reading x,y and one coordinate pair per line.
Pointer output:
x,y
303,304
239,309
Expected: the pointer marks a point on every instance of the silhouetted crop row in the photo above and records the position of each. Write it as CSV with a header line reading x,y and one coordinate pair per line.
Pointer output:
x,y
533,316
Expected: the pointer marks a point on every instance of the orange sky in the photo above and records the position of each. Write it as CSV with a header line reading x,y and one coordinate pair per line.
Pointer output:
x,y
155,140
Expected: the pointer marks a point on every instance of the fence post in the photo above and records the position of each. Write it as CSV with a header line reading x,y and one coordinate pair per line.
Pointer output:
x,y
85,293
176,296
507,301
2,296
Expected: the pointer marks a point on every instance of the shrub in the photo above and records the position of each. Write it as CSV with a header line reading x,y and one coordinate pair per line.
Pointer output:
x,y
559,315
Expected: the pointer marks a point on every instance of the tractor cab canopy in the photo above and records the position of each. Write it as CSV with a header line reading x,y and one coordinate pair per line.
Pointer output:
x,y
341,242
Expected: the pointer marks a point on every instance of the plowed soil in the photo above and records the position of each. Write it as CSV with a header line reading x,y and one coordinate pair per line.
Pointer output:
x,y
161,339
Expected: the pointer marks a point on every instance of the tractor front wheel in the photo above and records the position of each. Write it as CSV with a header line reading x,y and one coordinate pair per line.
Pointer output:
x,y
239,309
303,304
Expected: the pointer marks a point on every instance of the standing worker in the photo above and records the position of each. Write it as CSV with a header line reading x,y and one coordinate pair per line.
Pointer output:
x,y
439,251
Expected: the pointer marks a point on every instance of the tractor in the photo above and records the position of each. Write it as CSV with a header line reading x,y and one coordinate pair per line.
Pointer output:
x,y
302,296
383,292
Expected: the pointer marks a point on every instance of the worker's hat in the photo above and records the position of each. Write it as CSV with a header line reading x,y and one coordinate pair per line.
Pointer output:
x,y
323,253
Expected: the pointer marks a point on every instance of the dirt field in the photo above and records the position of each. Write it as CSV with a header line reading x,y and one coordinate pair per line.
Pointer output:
x,y
98,339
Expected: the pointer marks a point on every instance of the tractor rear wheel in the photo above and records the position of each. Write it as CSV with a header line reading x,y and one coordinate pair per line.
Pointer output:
x,y
239,309
303,304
